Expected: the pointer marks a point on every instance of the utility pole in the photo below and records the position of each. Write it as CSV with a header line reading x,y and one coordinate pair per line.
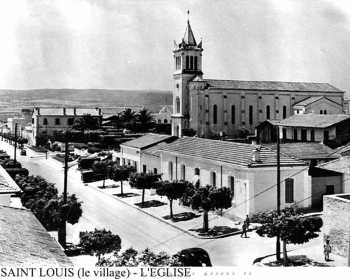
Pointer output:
x,y
14,156
62,230
278,243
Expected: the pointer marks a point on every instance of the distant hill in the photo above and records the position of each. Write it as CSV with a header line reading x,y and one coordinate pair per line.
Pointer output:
x,y
14,100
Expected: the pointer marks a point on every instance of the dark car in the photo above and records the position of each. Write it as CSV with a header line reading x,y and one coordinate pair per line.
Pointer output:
x,y
73,250
194,257
23,152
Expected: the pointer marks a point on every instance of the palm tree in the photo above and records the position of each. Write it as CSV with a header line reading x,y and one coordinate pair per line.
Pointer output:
x,y
145,119
127,117
86,122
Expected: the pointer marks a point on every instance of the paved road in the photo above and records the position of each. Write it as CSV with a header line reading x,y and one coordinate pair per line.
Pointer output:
x,y
136,229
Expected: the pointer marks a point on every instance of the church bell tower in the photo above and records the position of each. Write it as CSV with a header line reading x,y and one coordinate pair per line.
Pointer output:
x,y
188,65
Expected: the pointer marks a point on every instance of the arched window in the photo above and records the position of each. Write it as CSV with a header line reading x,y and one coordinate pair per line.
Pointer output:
x,y
191,62
57,121
183,172
325,112
213,178
284,112
177,104
170,170
165,121
195,62
289,191
159,121
233,114
215,114
45,121
321,111
250,115
267,112
196,171
187,62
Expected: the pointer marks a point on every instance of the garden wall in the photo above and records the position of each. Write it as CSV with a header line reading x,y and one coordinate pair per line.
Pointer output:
x,y
336,211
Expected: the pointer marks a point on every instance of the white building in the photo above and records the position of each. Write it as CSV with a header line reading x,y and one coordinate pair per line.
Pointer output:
x,y
47,121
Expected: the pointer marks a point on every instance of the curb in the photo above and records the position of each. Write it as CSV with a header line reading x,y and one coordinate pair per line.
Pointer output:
x,y
164,221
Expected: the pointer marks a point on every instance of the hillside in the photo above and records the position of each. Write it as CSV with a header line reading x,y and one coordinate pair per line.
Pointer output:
x,y
11,101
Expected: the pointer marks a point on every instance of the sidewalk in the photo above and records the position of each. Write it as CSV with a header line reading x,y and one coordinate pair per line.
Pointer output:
x,y
185,219
311,251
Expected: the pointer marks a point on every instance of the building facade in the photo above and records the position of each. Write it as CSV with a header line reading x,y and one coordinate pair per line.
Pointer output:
x,y
226,107
248,170
47,121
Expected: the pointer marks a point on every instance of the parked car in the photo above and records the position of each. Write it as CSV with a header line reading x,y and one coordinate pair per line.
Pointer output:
x,y
73,250
194,257
23,152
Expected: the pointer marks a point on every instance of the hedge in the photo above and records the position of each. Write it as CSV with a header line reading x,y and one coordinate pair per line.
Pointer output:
x,y
14,171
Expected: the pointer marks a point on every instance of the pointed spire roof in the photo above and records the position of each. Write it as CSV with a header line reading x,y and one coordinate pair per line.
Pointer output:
x,y
188,38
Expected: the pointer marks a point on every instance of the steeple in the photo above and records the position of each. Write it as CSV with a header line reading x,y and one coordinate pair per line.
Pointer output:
x,y
188,65
188,38
188,41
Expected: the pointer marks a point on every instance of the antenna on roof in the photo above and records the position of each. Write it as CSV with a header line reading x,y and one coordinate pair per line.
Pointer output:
x,y
188,15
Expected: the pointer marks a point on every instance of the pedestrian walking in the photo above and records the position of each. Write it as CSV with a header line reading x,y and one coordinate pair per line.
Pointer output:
x,y
244,230
327,249
247,221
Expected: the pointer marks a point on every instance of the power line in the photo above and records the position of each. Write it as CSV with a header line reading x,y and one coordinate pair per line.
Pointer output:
x,y
256,195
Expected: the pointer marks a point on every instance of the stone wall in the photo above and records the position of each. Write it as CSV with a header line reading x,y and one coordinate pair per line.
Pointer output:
x,y
336,210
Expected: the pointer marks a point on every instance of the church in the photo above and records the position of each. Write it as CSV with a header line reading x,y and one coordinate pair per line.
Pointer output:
x,y
214,108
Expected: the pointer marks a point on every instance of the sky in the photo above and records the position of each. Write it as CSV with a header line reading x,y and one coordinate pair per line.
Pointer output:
x,y
128,44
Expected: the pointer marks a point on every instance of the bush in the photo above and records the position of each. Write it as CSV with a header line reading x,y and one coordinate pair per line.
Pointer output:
x,y
17,171
10,163
86,163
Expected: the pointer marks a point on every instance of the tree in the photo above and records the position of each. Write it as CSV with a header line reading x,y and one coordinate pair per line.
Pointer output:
x,y
131,258
144,181
86,122
293,227
145,119
128,118
173,190
103,168
99,242
56,211
41,140
42,199
209,198
121,173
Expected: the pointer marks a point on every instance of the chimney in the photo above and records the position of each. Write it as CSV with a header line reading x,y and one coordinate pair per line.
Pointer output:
x,y
256,155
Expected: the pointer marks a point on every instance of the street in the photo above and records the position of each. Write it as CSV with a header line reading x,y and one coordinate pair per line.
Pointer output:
x,y
136,229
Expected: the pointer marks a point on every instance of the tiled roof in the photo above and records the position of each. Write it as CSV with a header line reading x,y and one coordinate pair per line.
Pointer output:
x,y
339,165
146,140
313,120
343,150
227,152
272,85
311,100
155,149
306,150
308,101
7,184
23,240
